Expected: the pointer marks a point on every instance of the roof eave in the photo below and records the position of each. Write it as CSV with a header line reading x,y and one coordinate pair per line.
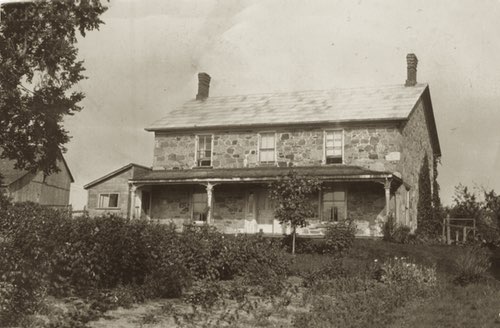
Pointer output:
x,y
255,125
362,177
112,174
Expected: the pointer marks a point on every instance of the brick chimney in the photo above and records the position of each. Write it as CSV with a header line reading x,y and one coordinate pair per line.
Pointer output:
x,y
203,86
411,67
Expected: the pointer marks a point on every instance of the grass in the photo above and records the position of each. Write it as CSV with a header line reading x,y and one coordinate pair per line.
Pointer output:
x,y
474,305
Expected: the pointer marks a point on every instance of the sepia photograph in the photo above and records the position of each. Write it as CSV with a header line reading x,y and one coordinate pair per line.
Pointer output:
x,y
249,163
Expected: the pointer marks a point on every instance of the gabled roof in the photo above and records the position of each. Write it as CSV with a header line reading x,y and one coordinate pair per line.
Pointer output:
x,y
10,174
263,173
114,173
328,106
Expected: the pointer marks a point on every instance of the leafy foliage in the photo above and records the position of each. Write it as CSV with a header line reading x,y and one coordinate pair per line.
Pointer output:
x,y
292,194
426,220
484,208
45,251
359,300
394,232
38,68
339,237
472,265
437,206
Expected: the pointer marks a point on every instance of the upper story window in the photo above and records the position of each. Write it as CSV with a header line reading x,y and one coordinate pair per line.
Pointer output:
x,y
334,150
267,147
204,150
108,201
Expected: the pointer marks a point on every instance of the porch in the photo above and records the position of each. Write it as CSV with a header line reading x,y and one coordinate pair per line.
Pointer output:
x,y
242,204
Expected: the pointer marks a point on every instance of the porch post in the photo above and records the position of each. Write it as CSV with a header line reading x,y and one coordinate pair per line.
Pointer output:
x,y
387,187
210,188
131,213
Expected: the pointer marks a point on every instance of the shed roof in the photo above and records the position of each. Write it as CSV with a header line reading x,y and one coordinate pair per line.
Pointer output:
x,y
394,102
340,172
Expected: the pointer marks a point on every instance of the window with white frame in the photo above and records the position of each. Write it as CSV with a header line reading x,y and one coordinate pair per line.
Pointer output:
x,y
334,147
108,200
267,147
333,205
204,150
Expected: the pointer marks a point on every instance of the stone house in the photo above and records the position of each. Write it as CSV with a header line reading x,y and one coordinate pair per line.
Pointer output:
x,y
23,186
214,156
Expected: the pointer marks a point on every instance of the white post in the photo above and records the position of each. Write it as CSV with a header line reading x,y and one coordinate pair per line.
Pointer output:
x,y
210,188
131,213
387,187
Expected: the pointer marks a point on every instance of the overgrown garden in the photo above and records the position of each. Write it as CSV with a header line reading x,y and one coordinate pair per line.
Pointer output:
x,y
56,271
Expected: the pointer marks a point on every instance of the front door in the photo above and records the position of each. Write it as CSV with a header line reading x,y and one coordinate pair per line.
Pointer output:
x,y
264,212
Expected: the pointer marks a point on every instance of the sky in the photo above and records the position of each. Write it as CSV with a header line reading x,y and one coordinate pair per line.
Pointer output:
x,y
144,62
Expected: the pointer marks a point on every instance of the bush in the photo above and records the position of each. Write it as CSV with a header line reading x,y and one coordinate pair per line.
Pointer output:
x,y
472,265
44,250
394,232
402,271
361,301
332,270
339,237
167,281
302,245
209,254
28,238
402,235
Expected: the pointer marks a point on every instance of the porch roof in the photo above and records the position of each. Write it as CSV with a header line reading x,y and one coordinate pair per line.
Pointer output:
x,y
334,172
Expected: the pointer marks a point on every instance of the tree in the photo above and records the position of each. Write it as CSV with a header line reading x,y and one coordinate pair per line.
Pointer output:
x,y
485,210
465,204
425,215
38,69
437,207
292,195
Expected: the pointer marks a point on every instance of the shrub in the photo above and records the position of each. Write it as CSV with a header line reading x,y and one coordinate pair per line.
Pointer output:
x,y
302,245
332,270
394,232
339,237
388,228
209,254
167,281
402,234
28,237
402,271
361,301
472,265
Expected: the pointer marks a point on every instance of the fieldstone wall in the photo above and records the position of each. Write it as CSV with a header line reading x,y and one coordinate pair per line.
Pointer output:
x,y
172,204
229,208
231,148
302,148
174,151
376,147
416,142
